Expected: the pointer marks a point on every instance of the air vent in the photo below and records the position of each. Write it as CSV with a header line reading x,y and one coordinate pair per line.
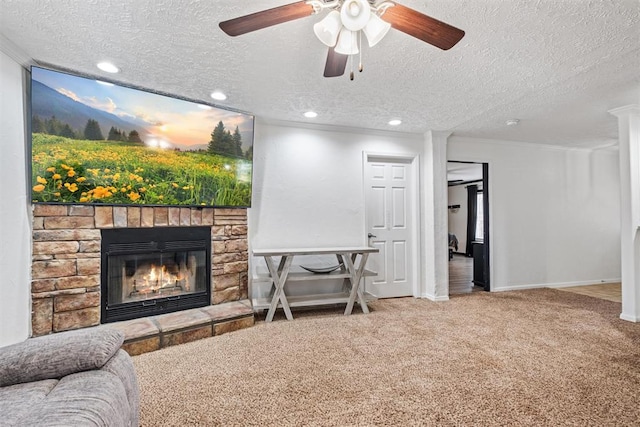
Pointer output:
x,y
132,247
185,244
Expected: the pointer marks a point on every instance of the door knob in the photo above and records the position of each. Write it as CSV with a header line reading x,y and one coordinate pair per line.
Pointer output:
x,y
371,235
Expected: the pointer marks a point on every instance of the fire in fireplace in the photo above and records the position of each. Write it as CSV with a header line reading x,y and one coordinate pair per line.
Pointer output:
x,y
152,271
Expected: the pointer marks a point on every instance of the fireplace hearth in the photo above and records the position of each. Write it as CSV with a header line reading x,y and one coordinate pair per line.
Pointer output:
x,y
146,272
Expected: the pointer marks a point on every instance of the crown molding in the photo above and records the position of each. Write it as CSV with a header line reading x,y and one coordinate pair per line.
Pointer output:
x,y
14,52
342,129
627,109
533,145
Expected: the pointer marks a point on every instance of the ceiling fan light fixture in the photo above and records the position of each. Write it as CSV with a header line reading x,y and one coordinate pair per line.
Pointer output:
x,y
328,29
376,29
347,42
355,14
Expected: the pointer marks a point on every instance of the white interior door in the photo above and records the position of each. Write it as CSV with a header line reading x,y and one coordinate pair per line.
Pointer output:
x,y
389,198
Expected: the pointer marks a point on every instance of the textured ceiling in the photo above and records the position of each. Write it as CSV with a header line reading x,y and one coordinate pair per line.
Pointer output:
x,y
558,66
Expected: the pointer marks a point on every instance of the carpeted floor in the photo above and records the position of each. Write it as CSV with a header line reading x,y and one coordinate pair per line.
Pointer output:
x,y
534,358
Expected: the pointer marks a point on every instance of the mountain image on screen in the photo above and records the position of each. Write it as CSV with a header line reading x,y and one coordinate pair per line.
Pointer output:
x,y
47,103
103,143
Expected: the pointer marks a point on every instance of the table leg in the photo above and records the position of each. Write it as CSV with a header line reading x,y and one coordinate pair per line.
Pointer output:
x,y
281,264
361,268
356,275
346,282
278,278
280,267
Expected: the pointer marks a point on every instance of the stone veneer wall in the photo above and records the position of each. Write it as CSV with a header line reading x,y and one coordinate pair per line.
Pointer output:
x,y
65,286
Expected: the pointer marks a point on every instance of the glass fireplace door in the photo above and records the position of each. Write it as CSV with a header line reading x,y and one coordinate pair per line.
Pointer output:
x,y
151,271
148,276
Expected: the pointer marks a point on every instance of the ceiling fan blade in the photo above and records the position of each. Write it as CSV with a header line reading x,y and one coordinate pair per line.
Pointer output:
x,y
336,64
266,18
422,27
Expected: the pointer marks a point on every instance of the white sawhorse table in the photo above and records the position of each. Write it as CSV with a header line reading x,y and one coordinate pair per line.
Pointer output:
x,y
353,260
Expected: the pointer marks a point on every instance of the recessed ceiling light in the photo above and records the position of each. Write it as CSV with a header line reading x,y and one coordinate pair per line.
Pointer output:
x,y
108,67
104,83
218,96
311,114
513,122
395,122
205,107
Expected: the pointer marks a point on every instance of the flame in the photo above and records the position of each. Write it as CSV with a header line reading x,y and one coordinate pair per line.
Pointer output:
x,y
159,277
154,280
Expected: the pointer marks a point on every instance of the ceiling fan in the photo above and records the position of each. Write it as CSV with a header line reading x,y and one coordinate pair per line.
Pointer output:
x,y
341,29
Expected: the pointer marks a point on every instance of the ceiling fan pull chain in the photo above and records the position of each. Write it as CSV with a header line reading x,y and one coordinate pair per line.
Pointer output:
x,y
360,49
351,73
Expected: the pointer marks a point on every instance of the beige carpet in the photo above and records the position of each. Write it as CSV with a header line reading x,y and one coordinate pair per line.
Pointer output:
x,y
538,357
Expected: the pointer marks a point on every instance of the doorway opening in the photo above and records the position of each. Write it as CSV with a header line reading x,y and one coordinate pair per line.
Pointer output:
x,y
468,214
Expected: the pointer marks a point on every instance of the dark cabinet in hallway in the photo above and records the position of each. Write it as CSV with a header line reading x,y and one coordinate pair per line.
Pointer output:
x,y
478,263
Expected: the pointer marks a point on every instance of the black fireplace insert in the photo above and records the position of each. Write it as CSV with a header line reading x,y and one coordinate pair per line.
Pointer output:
x,y
150,271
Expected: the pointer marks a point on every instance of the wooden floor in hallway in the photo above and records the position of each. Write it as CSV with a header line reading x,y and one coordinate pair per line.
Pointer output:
x,y
461,282
608,291
461,275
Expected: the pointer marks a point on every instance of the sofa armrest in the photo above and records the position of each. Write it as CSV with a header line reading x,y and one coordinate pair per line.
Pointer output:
x,y
58,355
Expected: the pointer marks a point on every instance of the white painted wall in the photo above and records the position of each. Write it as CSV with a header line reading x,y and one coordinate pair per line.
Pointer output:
x,y
555,213
15,219
308,185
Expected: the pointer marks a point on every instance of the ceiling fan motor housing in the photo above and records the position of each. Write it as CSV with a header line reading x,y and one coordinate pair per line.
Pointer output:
x,y
355,14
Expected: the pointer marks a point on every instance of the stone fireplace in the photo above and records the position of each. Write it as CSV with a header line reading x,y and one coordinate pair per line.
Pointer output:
x,y
67,256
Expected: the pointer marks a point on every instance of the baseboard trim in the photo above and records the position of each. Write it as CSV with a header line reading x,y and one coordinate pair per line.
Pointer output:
x,y
554,285
630,318
584,283
435,298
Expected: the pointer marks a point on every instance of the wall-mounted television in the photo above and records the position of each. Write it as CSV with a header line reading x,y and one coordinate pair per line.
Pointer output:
x,y
96,142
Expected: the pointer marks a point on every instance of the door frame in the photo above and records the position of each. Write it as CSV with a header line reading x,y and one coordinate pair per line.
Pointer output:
x,y
488,203
486,209
414,215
